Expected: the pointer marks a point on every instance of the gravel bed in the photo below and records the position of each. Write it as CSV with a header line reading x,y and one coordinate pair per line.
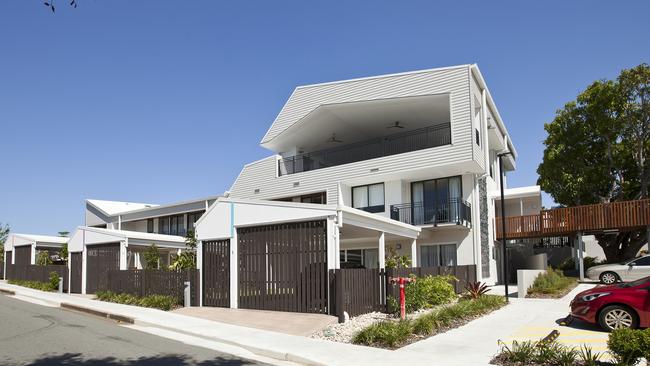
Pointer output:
x,y
344,332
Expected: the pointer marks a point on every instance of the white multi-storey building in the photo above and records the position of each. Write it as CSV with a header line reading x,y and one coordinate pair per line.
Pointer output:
x,y
417,147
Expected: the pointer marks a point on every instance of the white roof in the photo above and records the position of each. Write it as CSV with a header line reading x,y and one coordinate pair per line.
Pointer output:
x,y
519,192
124,234
43,238
116,207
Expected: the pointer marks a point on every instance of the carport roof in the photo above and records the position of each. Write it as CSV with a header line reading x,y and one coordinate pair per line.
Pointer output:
x,y
136,237
43,238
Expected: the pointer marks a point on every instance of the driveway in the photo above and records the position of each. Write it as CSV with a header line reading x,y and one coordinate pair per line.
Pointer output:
x,y
476,343
277,321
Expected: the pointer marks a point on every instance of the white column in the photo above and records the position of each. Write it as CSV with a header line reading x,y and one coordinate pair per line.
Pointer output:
x,y
414,253
199,266
119,222
382,251
233,270
123,247
84,260
33,258
581,261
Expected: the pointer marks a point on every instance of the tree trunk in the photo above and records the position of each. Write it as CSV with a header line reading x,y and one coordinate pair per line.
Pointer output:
x,y
622,246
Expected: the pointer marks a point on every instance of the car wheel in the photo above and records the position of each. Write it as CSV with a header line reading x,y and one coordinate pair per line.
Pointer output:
x,y
608,278
616,317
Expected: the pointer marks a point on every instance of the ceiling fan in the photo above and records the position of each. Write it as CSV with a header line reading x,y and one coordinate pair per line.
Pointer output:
x,y
396,125
334,139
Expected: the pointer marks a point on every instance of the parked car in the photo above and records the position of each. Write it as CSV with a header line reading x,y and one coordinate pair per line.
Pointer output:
x,y
622,305
631,270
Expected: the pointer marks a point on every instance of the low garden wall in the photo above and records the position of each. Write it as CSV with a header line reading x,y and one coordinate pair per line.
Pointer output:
x,y
525,279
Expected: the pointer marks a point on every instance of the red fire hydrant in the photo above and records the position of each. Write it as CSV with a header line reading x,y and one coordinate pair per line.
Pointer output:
x,y
402,297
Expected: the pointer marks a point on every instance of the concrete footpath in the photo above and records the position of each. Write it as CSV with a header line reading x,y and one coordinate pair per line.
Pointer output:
x,y
278,346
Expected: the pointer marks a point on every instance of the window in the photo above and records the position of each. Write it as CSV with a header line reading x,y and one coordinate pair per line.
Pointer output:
x,y
171,225
477,136
150,225
438,255
359,258
645,261
193,217
436,200
369,198
319,197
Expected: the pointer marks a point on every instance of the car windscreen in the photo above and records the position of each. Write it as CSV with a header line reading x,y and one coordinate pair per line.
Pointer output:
x,y
638,282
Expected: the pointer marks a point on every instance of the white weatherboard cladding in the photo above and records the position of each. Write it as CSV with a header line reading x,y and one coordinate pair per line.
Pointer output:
x,y
216,224
306,99
478,152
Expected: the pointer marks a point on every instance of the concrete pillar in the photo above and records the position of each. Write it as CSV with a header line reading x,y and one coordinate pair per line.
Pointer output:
x,y
382,251
414,253
581,261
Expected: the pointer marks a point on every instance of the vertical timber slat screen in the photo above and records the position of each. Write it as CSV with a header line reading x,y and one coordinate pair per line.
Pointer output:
x,y
100,258
31,272
76,272
359,291
216,273
464,274
283,267
140,282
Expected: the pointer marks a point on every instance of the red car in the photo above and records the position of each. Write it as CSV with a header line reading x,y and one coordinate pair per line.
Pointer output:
x,y
622,305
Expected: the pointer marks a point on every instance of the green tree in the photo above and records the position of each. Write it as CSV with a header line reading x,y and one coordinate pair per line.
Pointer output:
x,y
187,258
4,232
152,257
43,258
63,252
596,151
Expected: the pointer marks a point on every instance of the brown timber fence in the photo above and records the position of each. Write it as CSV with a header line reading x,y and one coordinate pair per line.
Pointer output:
x,y
141,282
361,291
30,272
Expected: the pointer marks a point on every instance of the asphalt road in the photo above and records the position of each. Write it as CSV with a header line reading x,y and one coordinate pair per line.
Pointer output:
x,y
37,335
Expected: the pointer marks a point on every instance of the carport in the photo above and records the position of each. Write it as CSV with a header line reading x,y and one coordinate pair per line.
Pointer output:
x,y
93,251
21,249
272,255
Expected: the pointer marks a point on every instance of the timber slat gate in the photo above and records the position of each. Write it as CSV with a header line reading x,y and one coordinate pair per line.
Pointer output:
x,y
140,282
32,272
283,267
76,266
361,291
100,259
216,273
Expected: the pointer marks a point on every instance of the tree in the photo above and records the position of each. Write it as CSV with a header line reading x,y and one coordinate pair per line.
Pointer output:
x,y
43,258
4,232
151,257
187,258
596,151
63,252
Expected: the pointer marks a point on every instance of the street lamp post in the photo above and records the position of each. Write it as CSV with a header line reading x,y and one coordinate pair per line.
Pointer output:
x,y
503,225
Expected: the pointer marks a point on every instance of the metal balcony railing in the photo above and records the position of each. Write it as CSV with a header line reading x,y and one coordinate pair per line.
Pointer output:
x,y
454,211
398,143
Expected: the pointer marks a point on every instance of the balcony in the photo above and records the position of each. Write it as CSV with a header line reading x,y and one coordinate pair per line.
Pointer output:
x,y
454,211
419,139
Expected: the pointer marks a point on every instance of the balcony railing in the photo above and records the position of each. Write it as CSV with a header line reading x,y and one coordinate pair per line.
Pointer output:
x,y
398,143
454,211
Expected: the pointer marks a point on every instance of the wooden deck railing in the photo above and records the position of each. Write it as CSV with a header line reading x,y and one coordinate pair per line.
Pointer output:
x,y
622,215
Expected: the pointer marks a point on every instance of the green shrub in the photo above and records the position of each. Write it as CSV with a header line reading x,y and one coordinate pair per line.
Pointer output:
x,y
569,263
544,353
627,346
386,334
392,334
553,282
37,285
162,302
424,293
54,280
43,258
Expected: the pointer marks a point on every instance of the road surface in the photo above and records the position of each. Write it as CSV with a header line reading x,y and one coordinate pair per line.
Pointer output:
x,y
38,335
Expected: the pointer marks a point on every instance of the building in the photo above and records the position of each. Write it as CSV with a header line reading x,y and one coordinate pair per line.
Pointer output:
x,y
394,165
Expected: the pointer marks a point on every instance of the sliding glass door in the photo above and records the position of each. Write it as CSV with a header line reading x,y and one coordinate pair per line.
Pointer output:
x,y
436,200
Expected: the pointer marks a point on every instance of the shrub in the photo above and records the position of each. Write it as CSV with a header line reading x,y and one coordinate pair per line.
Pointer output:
x,y
553,282
37,285
424,293
54,280
392,334
588,357
151,257
476,289
162,302
627,346
386,334
544,353
569,263
43,258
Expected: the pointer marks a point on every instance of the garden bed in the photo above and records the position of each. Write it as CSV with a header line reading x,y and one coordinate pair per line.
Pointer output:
x,y
551,285
393,334
162,302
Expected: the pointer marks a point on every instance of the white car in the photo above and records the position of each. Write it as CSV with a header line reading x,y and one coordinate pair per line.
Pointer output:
x,y
631,270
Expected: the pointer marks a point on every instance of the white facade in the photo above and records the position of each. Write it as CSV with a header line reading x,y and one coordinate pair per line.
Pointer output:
x,y
338,120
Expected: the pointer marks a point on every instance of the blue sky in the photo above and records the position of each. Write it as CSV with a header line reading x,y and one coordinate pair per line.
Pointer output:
x,y
159,101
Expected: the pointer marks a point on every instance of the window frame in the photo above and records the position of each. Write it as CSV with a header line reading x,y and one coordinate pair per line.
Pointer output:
x,y
371,209
439,255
